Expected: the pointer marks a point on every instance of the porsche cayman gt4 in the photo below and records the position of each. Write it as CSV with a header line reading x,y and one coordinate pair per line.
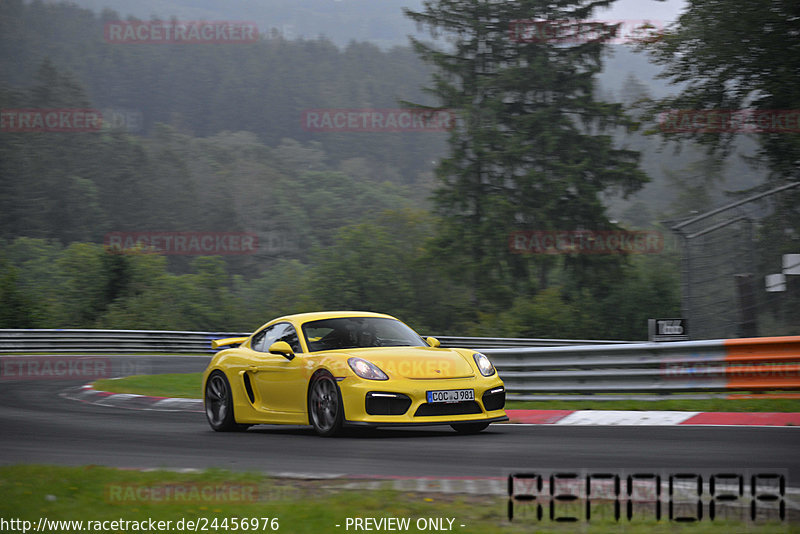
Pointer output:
x,y
336,369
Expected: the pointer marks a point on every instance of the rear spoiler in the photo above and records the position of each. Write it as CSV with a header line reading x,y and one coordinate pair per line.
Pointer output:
x,y
217,343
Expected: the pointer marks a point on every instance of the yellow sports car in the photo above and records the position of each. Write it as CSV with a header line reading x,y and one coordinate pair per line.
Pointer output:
x,y
336,369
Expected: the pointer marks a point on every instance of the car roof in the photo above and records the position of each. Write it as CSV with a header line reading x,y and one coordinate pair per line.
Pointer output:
x,y
314,316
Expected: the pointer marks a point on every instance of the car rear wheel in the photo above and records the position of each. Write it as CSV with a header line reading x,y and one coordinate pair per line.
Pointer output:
x,y
325,407
219,404
469,428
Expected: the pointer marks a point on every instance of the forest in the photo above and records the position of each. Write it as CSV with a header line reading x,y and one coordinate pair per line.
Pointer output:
x,y
210,139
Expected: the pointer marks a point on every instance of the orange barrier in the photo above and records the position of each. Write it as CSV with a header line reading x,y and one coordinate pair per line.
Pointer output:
x,y
769,357
763,348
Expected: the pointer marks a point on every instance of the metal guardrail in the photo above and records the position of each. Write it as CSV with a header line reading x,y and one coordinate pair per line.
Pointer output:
x,y
108,341
755,364
480,343
58,341
532,369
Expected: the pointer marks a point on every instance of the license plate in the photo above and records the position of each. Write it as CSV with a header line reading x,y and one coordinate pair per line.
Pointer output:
x,y
451,395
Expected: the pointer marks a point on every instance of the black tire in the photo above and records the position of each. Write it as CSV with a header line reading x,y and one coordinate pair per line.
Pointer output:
x,y
325,407
469,428
218,403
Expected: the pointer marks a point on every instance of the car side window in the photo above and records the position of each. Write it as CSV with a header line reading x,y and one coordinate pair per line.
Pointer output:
x,y
257,343
277,332
286,332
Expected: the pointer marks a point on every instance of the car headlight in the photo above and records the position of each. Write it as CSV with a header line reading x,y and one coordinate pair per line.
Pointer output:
x,y
484,365
366,369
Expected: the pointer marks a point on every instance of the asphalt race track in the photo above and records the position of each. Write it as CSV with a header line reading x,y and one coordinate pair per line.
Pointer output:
x,y
38,426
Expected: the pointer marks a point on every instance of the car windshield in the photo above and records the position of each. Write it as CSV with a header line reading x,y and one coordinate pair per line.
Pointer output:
x,y
358,332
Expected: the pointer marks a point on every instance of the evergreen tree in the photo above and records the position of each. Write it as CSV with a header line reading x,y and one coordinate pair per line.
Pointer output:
x,y
733,55
16,311
530,149
743,56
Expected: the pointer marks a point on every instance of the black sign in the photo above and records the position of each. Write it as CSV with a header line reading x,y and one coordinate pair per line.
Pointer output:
x,y
668,330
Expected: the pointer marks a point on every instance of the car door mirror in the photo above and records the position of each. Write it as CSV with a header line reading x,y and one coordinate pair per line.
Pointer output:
x,y
433,342
282,348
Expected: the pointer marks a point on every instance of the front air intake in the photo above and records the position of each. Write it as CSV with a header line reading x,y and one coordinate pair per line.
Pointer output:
x,y
448,408
380,403
494,399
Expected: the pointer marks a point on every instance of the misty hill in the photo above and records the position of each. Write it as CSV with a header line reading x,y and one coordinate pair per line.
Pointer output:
x,y
380,22
264,87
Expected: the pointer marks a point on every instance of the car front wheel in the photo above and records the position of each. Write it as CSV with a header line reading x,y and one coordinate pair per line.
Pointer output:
x,y
325,407
219,404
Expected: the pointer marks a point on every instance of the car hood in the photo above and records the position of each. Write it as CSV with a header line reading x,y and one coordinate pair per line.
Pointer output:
x,y
417,362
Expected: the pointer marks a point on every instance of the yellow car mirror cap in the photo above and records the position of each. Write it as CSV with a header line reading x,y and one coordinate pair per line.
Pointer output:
x,y
433,342
282,348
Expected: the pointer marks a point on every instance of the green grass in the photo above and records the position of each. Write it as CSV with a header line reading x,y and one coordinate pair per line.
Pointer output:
x,y
91,494
189,386
183,385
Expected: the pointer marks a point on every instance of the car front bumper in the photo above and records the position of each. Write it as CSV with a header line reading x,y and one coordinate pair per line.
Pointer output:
x,y
355,391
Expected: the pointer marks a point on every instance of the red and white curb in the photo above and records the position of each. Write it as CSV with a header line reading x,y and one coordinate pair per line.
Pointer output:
x,y
130,401
651,418
529,417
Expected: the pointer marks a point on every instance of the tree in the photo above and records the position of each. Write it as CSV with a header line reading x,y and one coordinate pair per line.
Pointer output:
x,y
742,56
48,170
83,288
530,149
16,309
386,265
695,185
732,55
